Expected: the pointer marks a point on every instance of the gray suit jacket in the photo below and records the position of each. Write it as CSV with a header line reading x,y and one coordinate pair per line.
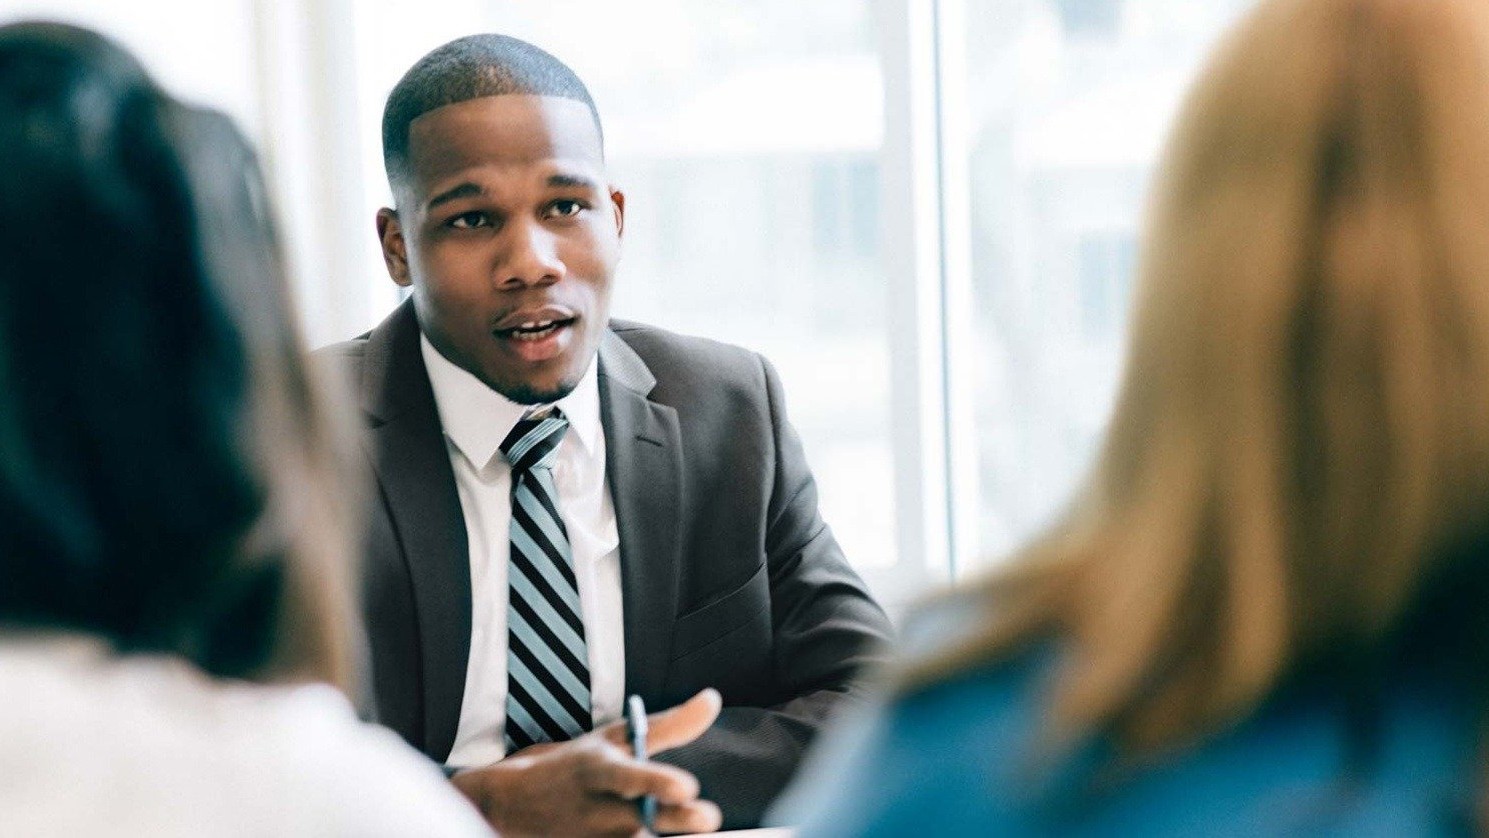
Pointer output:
x,y
730,579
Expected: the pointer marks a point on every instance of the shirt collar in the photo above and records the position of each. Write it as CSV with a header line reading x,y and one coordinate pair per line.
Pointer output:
x,y
476,418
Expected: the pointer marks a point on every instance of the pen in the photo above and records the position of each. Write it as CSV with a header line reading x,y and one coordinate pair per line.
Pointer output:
x,y
636,731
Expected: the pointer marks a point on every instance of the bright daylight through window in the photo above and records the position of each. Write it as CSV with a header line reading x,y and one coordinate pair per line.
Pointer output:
x,y
925,212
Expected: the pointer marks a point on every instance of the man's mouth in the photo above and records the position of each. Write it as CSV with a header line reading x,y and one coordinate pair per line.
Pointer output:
x,y
532,331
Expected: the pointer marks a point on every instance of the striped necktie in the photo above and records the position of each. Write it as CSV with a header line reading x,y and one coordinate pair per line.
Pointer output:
x,y
547,663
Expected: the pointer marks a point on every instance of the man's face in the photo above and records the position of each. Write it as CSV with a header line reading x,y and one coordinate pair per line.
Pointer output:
x,y
509,235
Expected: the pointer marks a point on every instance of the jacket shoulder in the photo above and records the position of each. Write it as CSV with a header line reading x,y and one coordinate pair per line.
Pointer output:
x,y
343,358
685,362
353,348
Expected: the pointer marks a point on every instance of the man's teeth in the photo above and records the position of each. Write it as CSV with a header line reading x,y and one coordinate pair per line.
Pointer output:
x,y
534,330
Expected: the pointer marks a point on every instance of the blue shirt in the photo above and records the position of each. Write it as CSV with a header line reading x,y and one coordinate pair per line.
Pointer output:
x,y
958,759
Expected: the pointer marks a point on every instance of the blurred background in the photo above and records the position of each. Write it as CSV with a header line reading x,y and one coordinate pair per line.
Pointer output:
x,y
924,212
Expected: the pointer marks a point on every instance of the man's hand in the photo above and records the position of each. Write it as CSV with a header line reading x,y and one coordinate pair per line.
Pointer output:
x,y
589,786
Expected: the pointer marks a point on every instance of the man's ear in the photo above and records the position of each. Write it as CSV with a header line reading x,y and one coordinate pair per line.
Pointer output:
x,y
618,199
395,249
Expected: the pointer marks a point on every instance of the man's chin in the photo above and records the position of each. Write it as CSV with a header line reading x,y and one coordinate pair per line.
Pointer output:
x,y
524,392
539,383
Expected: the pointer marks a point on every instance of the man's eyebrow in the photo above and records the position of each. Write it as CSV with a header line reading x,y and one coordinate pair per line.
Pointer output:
x,y
464,190
568,181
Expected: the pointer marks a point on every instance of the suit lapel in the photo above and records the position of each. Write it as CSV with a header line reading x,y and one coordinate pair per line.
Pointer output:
x,y
413,471
644,466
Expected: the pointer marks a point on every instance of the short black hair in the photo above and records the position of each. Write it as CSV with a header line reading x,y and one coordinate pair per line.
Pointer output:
x,y
470,68
155,411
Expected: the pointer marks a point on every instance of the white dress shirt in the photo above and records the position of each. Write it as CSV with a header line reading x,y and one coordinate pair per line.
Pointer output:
x,y
94,743
476,419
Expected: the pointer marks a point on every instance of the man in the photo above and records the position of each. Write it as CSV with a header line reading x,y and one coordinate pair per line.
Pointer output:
x,y
572,510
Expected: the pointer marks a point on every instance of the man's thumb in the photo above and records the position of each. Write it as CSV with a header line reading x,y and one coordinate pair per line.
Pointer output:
x,y
683,723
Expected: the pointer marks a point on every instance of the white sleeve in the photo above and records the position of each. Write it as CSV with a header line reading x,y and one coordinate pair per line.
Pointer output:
x,y
369,782
391,789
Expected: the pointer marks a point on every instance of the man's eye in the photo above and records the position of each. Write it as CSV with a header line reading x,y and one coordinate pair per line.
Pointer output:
x,y
470,220
565,207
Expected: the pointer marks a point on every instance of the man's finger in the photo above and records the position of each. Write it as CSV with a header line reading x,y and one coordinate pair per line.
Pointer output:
x,y
628,778
695,816
683,723
602,816
674,727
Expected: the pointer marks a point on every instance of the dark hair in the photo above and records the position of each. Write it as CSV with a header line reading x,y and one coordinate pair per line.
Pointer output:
x,y
159,433
470,68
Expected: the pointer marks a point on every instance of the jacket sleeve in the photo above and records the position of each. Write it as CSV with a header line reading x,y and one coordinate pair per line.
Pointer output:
x,y
826,630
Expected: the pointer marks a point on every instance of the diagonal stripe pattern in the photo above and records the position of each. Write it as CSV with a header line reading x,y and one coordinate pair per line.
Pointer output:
x,y
547,663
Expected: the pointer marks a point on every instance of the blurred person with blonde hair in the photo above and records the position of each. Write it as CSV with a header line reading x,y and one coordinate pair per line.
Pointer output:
x,y
1267,610
175,536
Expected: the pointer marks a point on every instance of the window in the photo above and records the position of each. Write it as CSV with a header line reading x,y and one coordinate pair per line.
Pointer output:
x,y
216,65
1104,266
1097,18
926,213
1061,134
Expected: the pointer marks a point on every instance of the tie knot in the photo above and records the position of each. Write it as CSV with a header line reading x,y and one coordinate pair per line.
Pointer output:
x,y
533,442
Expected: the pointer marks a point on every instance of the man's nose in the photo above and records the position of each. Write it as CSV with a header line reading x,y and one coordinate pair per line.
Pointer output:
x,y
530,257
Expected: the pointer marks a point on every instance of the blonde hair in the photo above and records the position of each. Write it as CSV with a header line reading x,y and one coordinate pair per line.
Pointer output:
x,y
1302,435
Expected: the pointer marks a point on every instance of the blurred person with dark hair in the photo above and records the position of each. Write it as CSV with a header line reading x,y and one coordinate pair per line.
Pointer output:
x,y
174,517
1267,612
